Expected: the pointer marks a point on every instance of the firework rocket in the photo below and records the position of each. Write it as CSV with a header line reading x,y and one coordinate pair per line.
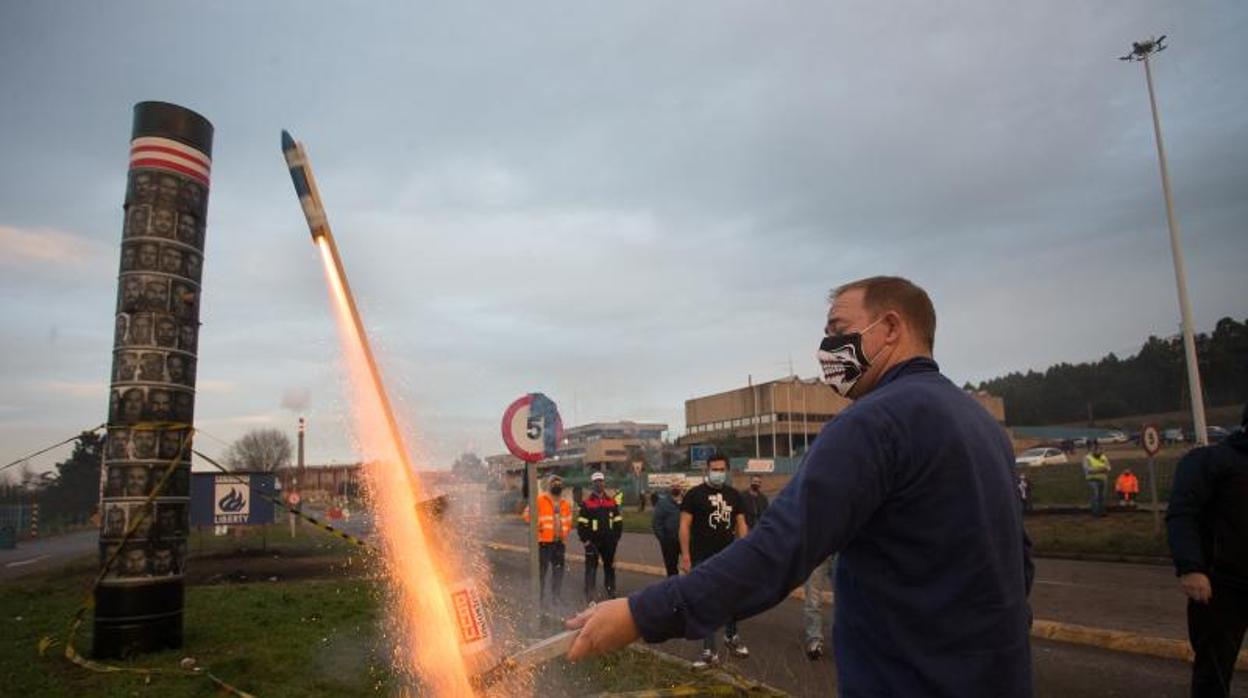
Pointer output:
x,y
305,186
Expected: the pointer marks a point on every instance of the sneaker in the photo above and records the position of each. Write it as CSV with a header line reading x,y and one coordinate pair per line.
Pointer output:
x,y
814,649
705,660
737,647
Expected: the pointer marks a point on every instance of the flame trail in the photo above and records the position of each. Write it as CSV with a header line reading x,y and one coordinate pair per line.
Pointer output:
x,y
418,570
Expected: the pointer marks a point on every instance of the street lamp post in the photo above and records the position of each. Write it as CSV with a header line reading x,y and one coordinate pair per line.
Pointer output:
x,y
1141,51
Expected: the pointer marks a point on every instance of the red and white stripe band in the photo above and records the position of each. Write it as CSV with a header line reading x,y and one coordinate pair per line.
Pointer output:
x,y
166,154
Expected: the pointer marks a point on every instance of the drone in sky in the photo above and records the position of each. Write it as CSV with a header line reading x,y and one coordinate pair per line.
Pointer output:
x,y
1141,50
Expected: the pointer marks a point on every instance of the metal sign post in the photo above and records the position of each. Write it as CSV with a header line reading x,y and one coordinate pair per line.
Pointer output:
x,y
531,430
1150,439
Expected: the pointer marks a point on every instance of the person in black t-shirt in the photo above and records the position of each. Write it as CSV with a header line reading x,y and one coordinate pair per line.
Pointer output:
x,y
711,517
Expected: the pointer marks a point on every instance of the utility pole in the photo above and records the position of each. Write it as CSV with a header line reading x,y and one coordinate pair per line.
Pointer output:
x,y
1141,51
754,404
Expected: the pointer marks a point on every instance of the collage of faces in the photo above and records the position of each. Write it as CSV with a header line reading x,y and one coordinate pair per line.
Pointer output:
x,y
146,443
154,367
144,560
135,330
130,405
163,258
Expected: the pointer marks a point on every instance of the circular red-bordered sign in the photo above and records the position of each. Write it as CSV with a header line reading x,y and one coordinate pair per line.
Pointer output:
x,y
525,437
1150,439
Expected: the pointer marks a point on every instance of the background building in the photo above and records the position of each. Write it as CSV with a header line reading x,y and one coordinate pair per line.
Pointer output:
x,y
776,419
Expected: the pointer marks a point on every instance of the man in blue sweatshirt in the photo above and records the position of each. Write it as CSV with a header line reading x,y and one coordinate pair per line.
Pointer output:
x,y
913,486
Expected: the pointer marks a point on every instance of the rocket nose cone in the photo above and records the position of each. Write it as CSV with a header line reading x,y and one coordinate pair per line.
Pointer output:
x,y
288,143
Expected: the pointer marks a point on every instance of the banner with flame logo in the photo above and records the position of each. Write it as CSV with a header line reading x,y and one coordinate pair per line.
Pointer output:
x,y
231,499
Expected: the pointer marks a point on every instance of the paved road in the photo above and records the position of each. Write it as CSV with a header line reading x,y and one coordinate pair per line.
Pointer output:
x,y
775,642
1143,599
777,657
46,553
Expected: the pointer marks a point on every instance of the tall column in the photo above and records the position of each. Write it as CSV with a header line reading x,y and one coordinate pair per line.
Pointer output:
x,y
138,603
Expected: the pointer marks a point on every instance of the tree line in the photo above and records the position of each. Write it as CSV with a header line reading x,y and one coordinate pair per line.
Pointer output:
x,y
1153,380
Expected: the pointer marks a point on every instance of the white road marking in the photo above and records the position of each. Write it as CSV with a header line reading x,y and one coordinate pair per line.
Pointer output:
x,y
20,563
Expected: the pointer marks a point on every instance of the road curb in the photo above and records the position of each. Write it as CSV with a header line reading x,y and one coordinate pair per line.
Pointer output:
x,y
1103,638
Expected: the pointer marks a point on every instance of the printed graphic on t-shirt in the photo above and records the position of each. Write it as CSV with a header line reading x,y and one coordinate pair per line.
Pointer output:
x,y
721,512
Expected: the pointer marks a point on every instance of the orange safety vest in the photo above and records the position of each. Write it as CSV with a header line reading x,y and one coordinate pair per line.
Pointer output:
x,y
1127,483
546,519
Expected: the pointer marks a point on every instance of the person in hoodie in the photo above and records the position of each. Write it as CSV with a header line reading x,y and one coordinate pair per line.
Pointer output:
x,y
665,522
913,485
1207,522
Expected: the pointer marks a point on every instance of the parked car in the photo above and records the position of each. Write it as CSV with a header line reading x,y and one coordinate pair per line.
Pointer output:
x,y
1034,457
1216,434
1172,436
1113,437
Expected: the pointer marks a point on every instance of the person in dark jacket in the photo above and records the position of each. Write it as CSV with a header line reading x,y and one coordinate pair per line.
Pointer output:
x,y
665,522
913,485
1208,525
599,526
753,501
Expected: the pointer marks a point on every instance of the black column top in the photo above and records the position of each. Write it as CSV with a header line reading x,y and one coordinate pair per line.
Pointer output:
x,y
173,122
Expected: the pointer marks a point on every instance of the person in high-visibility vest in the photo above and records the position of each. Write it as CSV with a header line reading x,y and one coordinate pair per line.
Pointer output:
x,y
554,523
1127,486
1096,472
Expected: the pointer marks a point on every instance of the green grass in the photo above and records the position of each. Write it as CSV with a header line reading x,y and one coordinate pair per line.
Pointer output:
x,y
289,638
305,638
1064,485
1079,534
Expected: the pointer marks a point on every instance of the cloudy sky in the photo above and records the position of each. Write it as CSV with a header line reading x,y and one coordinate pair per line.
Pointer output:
x,y
620,204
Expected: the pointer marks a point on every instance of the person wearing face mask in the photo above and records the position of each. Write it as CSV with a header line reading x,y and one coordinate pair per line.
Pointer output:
x,y
599,526
754,503
913,486
711,517
554,523
665,522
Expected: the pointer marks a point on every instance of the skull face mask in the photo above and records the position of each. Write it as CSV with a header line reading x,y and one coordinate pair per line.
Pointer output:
x,y
842,360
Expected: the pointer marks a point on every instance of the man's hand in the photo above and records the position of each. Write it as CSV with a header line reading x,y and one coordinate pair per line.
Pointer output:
x,y
605,627
1196,586
684,564
589,548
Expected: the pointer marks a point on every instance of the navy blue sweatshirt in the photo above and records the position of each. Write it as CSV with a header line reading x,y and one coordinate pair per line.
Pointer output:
x,y
1207,519
913,486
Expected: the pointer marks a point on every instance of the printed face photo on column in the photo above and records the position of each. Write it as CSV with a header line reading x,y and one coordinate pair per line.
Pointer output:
x,y
193,266
140,330
136,481
124,365
155,294
115,480
142,188
159,405
191,198
167,190
162,222
136,221
131,293
178,369
187,336
130,406
188,229
148,254
152,367
171,260
166,332
118,445
143,444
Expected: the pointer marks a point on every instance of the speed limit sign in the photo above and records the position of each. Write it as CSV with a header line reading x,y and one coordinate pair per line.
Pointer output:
x,y
532,428
1150,439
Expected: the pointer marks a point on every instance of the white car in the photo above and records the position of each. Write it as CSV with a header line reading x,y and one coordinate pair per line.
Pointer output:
x,y
1113,437
1045,455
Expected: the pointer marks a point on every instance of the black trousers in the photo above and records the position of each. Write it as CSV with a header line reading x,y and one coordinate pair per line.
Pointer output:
x,y
1216,630
670,548
551,555
606,552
